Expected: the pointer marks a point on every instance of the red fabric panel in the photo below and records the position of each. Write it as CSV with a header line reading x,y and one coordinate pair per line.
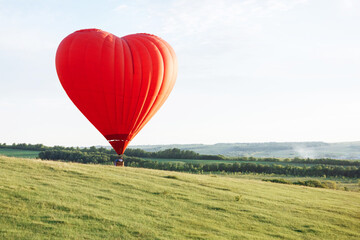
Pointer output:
x,y
117,83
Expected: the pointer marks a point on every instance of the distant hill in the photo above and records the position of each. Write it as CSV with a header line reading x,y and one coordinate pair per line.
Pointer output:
x,y
340,150
57,200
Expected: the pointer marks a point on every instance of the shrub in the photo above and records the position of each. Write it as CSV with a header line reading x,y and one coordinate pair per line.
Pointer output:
x,y
315,183
171,177
277,180
330,184
238,198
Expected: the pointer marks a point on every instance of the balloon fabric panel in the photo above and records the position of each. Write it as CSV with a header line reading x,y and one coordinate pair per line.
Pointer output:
x,y
117,83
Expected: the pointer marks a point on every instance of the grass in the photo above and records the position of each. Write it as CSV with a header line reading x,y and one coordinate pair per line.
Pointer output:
x,y
342,183
56,200
19,153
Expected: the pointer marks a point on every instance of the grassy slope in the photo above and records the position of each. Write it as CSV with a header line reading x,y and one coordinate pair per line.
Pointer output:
x,y
19,153
351,184
54,200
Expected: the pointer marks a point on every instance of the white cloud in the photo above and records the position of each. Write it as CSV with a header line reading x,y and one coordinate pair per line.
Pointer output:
x,y
120,7
205,25
349,7
189,17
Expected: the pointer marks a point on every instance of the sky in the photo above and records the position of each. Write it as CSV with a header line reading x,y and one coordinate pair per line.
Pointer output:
x,y
249,70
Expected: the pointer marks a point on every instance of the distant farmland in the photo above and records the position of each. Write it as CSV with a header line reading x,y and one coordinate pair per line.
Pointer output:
x,y
340,150
19,153
204,161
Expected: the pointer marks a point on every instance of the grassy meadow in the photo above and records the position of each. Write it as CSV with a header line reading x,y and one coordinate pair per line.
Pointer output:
x,y
19,153
345,184
57,200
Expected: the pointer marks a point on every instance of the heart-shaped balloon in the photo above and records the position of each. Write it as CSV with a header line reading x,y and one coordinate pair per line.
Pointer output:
x,y
117,83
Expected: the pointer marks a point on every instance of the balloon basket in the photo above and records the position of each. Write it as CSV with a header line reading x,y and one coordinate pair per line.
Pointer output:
x,y
119,162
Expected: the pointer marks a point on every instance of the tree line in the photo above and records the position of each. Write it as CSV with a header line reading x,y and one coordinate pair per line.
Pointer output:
x,y
173,153
24,146
313,171
102,158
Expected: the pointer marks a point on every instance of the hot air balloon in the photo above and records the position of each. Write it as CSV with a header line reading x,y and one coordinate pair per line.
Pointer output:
x,y
117,83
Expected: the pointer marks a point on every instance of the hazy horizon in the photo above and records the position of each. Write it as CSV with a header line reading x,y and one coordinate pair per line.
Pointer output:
x,y
170,144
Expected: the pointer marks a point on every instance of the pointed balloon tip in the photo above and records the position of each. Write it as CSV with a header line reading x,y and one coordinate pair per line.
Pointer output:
x,y
119,146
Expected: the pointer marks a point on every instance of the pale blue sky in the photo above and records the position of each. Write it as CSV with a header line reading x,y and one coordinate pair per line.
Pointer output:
x,y
249,71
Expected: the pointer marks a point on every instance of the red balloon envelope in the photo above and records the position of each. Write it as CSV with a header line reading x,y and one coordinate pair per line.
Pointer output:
x,y
117,83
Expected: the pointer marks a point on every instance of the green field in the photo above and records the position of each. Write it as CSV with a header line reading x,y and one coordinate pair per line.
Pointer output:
x,y
56,200
19,153
204,161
